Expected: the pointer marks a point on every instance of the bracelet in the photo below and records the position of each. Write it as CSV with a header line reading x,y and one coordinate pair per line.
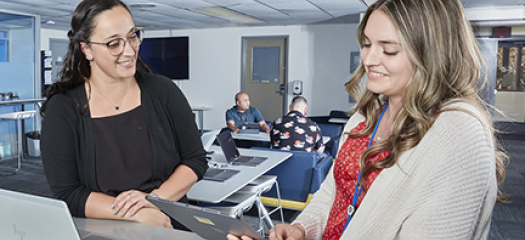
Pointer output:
x,y
154,194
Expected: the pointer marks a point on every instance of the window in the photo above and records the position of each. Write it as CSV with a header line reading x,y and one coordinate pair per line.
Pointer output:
x,y
511,66
4,47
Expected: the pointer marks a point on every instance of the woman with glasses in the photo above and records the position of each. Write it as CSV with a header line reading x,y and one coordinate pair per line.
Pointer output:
x,y
114,133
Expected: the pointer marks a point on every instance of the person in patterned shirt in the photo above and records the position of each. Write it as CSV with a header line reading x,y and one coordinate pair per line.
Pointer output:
x,y
296,132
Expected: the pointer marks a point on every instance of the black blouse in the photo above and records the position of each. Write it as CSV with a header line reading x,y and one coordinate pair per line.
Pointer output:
x,y
123,149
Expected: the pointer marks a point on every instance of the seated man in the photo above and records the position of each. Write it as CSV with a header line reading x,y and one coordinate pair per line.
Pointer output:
x,y
242,112
296,132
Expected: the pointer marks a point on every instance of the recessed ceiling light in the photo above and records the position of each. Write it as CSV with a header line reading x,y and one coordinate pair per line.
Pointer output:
x,y
228,14
50,22
142,5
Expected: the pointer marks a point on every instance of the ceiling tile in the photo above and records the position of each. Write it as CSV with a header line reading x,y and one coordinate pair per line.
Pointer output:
x,y
180,14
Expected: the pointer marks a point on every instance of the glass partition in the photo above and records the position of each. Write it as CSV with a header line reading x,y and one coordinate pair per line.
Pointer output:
x,y
18,71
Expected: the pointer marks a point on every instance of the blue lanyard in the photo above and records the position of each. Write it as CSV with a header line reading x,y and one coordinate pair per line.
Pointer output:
x,y
357,192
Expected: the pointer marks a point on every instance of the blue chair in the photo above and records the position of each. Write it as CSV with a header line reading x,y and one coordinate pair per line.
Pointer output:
x,y
334,131
332,114
299,177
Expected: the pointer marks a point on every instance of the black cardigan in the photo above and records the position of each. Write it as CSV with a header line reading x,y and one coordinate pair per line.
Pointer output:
x,y
67,143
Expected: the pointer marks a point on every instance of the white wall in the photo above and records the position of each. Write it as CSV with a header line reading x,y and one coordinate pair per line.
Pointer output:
x,y
46,34
319,55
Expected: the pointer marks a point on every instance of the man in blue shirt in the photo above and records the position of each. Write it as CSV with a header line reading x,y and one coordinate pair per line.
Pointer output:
x,y
242,112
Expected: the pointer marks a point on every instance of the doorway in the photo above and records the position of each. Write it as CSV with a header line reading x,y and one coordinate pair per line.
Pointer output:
x,y
58,49
264,74
510,83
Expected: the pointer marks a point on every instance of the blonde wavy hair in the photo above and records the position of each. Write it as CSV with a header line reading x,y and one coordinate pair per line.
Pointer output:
x,y
447,66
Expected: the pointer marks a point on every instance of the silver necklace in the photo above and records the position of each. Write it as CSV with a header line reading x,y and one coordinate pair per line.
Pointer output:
x,y
116,106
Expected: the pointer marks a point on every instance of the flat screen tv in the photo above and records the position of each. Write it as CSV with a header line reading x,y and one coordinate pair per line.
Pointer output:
x,y
167,56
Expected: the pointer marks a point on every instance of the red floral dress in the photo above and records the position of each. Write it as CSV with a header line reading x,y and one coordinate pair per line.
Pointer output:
x,y
346,170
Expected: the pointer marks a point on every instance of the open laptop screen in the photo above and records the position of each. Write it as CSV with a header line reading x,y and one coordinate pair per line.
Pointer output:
x,y
30,217
228,145
249,128
208,138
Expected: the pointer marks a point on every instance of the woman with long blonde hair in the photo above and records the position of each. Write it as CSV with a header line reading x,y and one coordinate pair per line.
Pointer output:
x,y
419,158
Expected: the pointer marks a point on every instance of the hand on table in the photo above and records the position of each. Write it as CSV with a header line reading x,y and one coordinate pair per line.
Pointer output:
x,y
231,237
152,216
279,232
128,203
287,231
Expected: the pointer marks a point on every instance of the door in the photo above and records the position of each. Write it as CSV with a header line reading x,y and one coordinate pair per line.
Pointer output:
x,y
264,74
510,81
58,49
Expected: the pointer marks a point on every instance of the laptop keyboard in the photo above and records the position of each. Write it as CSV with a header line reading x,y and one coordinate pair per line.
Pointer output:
x,y
212,172
248,159
243,159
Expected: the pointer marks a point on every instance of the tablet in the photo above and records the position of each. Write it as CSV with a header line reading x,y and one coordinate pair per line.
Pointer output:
x,y
205,222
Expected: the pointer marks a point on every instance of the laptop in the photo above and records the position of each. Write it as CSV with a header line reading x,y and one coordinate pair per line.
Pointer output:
x,y
232,154
30,217
207,223
249,128
208,138
213,173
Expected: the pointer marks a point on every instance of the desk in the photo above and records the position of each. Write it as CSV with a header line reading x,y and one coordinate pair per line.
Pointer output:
x,y
263,137
131,230
338,120
214,192
20,102
200,113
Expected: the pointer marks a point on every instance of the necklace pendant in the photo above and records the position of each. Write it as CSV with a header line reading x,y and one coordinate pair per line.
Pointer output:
x,y
116,107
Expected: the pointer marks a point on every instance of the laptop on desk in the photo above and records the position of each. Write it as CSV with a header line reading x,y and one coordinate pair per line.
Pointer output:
x,y
207,223
231,153
208,138
249,128
215,174
30,217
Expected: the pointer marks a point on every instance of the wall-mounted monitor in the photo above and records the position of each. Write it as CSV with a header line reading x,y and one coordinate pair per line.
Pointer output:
x,y
167,56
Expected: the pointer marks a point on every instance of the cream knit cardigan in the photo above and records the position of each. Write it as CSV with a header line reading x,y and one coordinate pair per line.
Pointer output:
x,y
444,188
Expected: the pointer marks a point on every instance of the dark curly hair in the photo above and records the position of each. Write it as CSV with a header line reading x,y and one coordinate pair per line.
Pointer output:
x,y
76,69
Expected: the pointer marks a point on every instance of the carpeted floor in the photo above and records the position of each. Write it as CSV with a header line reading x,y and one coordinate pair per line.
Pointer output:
x,y
508,219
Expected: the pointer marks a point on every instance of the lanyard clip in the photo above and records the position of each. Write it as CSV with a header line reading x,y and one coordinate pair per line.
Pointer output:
x,y
351,210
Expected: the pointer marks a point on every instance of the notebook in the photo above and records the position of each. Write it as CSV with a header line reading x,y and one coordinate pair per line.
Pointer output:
x,y
207,223
249,128
232,154
30,217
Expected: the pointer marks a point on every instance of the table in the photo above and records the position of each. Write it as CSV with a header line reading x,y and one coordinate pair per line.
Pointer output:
x,y
23,102
120,229
200,113
20,102
263,137
215,192
338,120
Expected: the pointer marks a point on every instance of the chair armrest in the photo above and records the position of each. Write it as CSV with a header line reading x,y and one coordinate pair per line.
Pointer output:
x,y
320,173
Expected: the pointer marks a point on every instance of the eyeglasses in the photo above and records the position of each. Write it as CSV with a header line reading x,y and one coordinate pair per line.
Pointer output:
x,y
117,45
